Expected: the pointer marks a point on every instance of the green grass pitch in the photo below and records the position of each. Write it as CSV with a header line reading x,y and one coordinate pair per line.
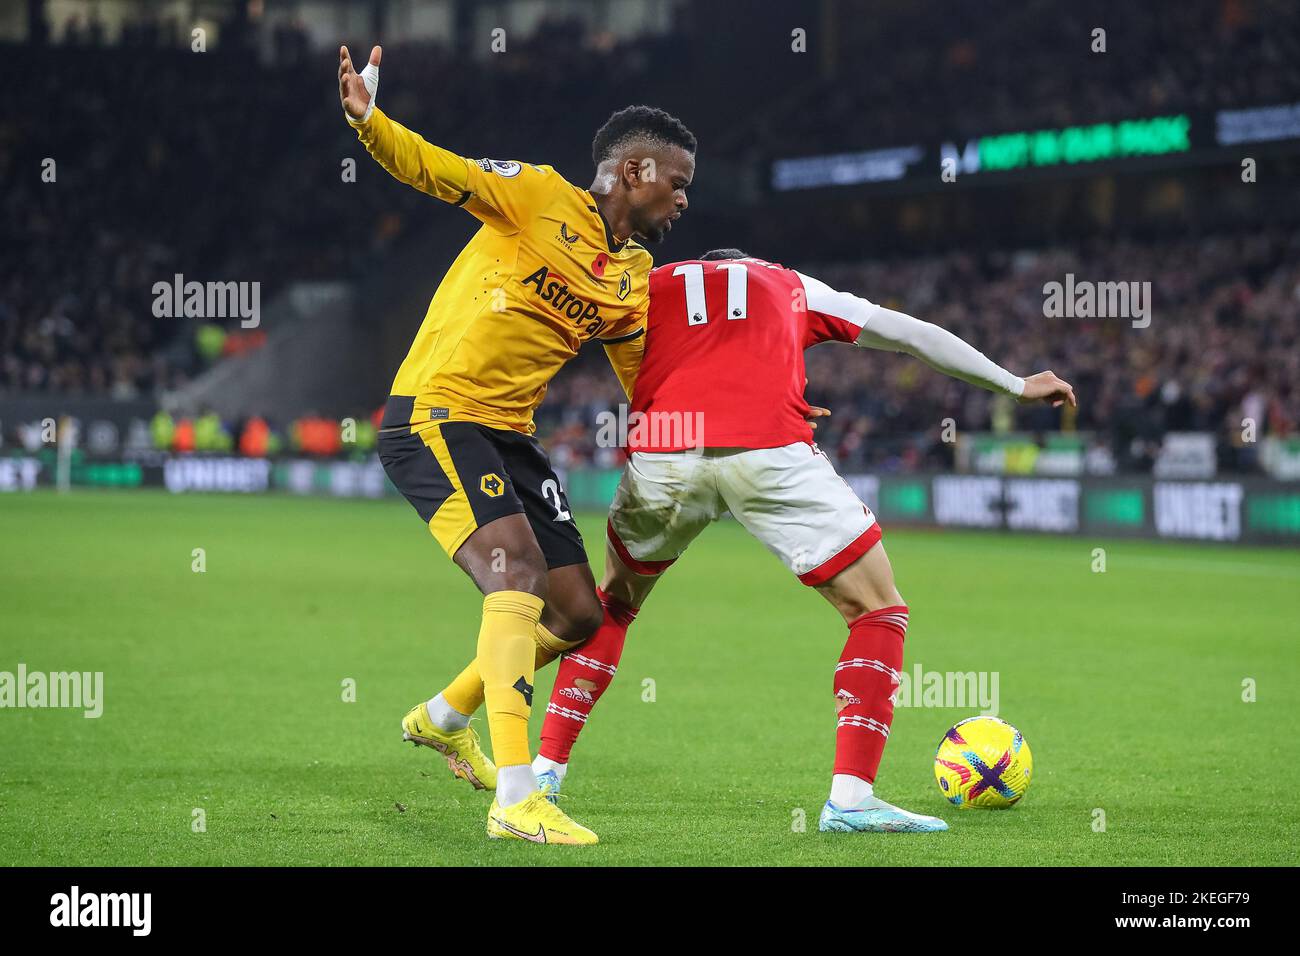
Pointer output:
x,y
224,693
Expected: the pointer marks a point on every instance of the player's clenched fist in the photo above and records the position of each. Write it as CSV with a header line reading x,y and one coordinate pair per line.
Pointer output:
x,y
1046,387
357,90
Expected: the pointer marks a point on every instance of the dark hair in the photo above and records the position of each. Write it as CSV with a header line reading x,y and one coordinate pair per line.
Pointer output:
x,y
632,122
723,254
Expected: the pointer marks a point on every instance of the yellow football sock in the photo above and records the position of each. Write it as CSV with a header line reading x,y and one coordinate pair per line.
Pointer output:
x,y
506,652
549,647
465,693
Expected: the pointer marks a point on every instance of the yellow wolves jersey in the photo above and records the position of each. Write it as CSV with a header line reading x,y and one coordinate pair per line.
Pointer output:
x,y
541,277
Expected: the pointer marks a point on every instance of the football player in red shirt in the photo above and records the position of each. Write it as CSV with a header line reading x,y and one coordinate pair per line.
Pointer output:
x,y
723,426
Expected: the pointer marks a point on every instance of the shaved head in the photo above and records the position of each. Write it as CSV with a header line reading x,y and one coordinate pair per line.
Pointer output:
x,y
641,128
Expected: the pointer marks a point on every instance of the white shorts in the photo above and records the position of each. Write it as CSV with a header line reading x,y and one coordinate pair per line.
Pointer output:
x,y
789,498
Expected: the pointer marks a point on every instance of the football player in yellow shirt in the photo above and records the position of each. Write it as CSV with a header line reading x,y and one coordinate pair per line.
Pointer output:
x,y
553,266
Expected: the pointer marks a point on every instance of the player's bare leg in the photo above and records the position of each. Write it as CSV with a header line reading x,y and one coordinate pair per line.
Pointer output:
x,y
572,611
622,583
504,555
865,680
865,585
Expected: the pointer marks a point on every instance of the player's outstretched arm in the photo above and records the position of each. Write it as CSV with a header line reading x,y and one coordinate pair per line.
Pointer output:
x,y
403,153
504,195
938,348
847,317
406,155
946,353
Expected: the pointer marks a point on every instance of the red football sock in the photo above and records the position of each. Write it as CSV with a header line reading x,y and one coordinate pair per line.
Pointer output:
x,y
865,680
583,675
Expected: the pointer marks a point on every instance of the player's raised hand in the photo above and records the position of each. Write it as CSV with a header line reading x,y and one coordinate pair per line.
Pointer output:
x,y
357,90
1046,387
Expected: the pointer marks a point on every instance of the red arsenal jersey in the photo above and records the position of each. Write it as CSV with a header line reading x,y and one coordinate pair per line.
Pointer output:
x,y
723,364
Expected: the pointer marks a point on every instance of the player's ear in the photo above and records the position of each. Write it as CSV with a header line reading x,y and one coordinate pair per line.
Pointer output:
x,y
639,172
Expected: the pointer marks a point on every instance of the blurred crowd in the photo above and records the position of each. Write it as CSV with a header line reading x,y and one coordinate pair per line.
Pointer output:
x,y
1013,65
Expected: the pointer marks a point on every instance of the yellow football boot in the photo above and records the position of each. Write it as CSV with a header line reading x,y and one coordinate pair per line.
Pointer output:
x,y
537,820
464,755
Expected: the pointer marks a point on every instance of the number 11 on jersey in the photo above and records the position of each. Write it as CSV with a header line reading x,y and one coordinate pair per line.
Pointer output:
x,y
697,310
